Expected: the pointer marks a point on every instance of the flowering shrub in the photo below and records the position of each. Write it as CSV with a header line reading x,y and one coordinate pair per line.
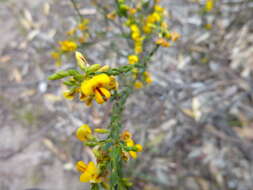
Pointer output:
x,y
146,30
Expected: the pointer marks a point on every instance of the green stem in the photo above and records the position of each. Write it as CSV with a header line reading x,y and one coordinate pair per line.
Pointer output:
x,y
76,9
116,126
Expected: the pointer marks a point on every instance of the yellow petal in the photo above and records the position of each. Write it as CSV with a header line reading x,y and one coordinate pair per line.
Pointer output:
x,y
138,84
87,87
126,135
130,142
98,97
102,79
83,132
85,177
81,166
133,154
139,147
106,94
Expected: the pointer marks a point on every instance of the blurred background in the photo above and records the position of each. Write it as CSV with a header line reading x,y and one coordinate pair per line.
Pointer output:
x,y
195,120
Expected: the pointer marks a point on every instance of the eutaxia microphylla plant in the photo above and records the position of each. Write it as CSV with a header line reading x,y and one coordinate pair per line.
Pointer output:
x,y
144,27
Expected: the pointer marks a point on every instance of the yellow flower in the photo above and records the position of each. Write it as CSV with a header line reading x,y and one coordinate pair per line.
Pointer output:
x,y
99,87
132,11
175,36
90,172
208,26
147,28
162,42
139,147
55,55
130,143
111,15
209,5
134,28
126,135
83,133
68,46
135,36
158,9
147,77
132,59
71,32
164,25
83,25
138,46
138,84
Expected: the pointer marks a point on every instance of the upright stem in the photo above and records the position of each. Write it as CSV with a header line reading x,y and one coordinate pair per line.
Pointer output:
x,y
76,9
116,125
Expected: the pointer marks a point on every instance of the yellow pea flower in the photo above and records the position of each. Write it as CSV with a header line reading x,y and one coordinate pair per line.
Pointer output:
x,y
138,84
126,135
83,25
98,87
71,32
132,59
209,5
130,143
132,11
81,166
147,77
89,172
134,28
83,133
159,9
139,147
55,55
162,42
175,36
111,15
68,45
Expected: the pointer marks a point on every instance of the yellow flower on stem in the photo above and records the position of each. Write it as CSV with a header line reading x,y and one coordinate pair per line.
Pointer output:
x,y
209,5
98,87
162,42
126,135
83,133
68,45
175,36
138,84
139,147
132,11
89,172
111,15
71,32
83,25
147,77
132,59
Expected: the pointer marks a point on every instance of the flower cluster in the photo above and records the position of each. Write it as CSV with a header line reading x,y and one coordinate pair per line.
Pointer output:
x,y
76,37
98,172
90,85
144,27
